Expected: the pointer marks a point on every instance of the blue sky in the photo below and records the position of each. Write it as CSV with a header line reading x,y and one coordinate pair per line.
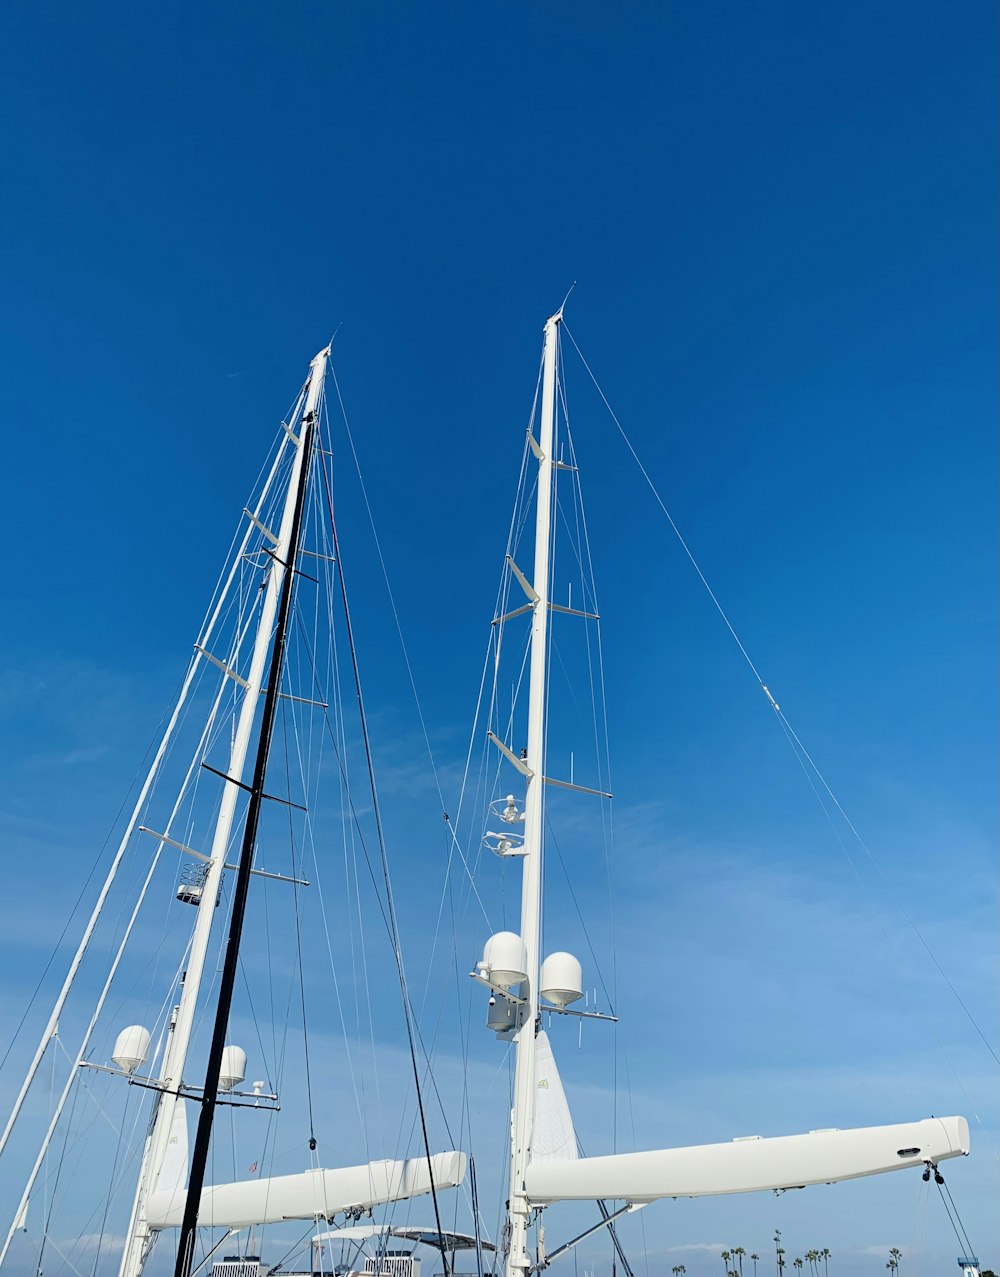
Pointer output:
x,y
782,221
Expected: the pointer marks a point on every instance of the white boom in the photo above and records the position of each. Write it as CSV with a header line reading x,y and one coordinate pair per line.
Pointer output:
x,y
748,1165
316,1194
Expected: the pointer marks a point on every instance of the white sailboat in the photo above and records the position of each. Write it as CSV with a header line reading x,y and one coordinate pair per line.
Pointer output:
x,y
239,668
545,1167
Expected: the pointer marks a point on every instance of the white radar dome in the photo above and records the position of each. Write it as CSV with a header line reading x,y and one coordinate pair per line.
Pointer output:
x,y
505,959
234,1067
131,1048
562,979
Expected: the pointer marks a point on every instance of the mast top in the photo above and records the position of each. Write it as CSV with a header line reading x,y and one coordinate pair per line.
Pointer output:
x,y
557,317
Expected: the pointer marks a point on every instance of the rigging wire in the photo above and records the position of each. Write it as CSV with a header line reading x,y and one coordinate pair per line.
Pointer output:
x,y
93,869
948,1202
162,752
107,1200
583,549
391,909
774,705
298,944
945,1191
890,942
399,628
337,732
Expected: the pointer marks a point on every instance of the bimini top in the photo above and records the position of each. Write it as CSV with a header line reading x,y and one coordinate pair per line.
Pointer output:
x,y
406,1232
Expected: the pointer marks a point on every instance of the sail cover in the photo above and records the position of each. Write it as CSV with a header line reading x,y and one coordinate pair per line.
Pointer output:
x,y
316,1194
553,1138
749,1165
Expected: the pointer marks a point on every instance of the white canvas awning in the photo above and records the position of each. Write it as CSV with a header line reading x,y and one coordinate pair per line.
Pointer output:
x,y
406,1232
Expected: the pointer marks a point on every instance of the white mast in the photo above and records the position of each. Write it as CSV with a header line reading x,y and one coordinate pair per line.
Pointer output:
x,y
511,968
518,1262
175,1056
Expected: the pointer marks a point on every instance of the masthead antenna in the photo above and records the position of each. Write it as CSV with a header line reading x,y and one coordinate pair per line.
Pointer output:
x,y
558,314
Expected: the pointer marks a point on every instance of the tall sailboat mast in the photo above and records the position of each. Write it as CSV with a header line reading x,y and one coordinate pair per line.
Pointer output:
x,y
518,1262
250,619
277,601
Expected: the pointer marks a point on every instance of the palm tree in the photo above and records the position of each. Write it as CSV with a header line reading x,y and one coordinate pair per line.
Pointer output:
x,y
895,1254
678,1270
813,1258
739,1252
754,1258
825,1254
777,1250
725,1260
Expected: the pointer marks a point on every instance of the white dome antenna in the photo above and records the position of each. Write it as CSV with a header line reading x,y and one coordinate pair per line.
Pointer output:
x,y
505,960
131,1048
234,1067
562,979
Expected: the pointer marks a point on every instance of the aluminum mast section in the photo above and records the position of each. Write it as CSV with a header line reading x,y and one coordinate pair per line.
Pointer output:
x,y
522,1117
172,1073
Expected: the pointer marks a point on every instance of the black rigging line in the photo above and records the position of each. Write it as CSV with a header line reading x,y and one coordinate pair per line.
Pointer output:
x,y
199,1156
380,834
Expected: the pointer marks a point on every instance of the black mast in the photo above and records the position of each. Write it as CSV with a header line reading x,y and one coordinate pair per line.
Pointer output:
x,y
199,1156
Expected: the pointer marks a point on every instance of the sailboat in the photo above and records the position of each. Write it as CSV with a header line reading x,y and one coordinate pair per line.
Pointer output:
x,y
197,828
241,663
545,1165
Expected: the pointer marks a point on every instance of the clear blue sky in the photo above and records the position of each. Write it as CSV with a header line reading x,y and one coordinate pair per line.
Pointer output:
x,y
782,219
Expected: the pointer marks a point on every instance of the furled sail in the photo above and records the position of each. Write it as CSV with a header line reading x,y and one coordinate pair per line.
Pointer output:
x,y
748,1165
553,1138
316,1194
173,1173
